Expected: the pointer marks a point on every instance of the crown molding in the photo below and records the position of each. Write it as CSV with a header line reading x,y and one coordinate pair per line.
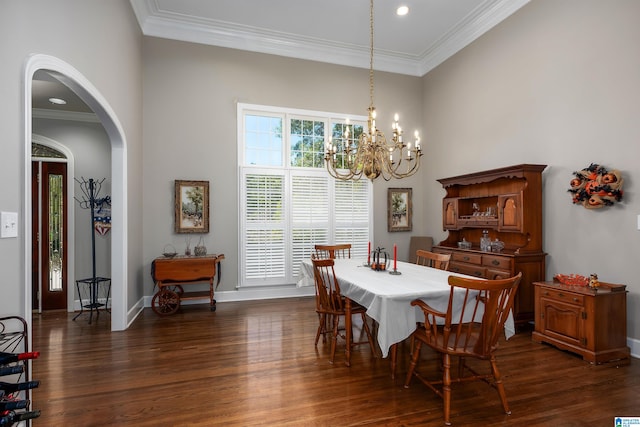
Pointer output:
x,y
157,23
484,18
42,113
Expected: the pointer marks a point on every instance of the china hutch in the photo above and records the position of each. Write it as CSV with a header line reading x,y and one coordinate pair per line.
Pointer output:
x,y
503,208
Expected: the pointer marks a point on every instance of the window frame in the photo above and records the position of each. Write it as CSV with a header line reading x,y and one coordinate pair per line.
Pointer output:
x,y
290,276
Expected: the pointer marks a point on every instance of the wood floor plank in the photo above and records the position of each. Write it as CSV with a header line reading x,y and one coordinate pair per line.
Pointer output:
x,y
254,363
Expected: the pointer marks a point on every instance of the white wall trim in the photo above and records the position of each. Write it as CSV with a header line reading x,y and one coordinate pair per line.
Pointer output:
x,y
634,346
41,113
156,22
250,294
73,79
135,311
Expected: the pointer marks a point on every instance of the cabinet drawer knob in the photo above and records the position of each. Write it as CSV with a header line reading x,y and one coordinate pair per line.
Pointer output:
x,y
560,294
466,258
575,299
495,262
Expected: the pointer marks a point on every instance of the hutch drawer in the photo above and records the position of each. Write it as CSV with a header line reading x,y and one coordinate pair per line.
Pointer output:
x,y
494,261
467,257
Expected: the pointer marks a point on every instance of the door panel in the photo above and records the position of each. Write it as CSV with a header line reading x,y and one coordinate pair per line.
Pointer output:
x,y
50,254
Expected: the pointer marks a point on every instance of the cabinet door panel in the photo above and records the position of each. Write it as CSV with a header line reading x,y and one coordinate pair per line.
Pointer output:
x,y
449,214
562,321
510,212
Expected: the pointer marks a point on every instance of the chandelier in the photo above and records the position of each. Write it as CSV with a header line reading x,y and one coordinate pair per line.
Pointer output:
x,y
371,154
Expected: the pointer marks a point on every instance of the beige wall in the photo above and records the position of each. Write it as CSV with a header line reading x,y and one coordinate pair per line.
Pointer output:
x,y
190,99
557,83
102,41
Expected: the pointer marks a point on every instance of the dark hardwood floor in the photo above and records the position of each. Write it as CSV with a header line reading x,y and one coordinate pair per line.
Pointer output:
x,y
254,363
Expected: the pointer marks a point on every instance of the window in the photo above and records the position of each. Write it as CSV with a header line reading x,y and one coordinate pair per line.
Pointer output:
x,y
288,200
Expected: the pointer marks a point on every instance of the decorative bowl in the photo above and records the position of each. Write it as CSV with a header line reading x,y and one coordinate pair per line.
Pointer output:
x,y
169,251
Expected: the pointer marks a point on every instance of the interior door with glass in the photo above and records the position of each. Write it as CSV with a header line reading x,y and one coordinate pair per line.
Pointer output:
x,y
49,214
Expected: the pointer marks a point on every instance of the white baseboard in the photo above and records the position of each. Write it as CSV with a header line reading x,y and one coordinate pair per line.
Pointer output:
x,y
135,311
634,345
250,294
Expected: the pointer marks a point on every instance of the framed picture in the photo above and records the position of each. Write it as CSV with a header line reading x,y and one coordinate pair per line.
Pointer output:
x,y
191,206
399,209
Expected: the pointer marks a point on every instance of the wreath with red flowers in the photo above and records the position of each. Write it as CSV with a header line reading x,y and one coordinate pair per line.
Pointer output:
x,y
595,187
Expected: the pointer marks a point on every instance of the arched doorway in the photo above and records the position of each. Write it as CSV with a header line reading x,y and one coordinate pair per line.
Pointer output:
x,y
74,80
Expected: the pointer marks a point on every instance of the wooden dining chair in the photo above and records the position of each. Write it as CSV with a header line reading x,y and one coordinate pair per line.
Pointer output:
x,y
342,250
474,333
432,259
330,305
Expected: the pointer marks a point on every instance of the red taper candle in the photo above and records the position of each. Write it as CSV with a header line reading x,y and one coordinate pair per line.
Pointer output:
x,y
395,256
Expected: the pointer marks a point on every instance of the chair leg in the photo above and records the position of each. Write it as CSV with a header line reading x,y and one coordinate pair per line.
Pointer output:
x,y
461,366
365,326
446,387
393,355
334,337
499,385
322,328
412,364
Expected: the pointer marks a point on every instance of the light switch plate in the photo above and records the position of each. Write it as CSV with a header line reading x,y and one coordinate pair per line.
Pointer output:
x,y
8,224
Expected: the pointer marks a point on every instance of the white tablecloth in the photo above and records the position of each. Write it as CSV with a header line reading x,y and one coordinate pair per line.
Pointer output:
x,y
387,296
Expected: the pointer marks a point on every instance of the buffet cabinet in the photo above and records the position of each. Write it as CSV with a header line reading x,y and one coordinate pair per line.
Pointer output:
x,y
505,204
585,321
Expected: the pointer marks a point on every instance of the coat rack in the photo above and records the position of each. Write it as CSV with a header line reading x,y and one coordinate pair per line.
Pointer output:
x,y
91,200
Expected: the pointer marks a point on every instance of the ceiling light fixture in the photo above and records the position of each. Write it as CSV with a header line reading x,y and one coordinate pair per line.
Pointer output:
x,y
371,155
402,10
57,101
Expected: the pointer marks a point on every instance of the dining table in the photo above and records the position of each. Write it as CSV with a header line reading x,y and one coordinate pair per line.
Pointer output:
x,y
387,298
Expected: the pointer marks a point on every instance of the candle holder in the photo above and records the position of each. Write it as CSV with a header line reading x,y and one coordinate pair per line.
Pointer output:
x,y
395,272
379,259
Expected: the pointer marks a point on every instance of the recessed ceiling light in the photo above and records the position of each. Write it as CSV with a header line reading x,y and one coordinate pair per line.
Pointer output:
x,y
402,10
57,101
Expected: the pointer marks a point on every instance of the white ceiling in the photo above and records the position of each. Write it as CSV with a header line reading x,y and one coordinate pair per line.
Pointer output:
x,y
333,31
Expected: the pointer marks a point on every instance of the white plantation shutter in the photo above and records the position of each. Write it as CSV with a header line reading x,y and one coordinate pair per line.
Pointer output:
x,y
352,215
309,215
287,207
264,229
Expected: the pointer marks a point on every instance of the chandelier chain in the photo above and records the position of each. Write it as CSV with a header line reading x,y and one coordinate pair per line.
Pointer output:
x,y
371,54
